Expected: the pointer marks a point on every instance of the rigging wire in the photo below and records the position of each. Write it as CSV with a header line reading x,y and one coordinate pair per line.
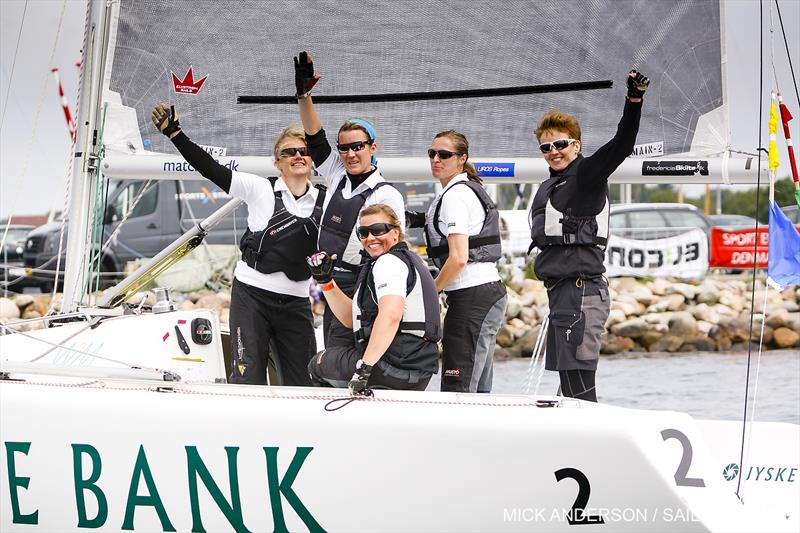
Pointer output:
x,y
788,55
755,248
13,64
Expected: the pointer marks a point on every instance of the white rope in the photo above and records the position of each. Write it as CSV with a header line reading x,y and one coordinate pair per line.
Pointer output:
x,y
537,359
755,393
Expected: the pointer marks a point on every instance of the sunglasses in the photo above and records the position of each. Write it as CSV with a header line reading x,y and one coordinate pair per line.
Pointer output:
x,y
443,154
356,146
291,152
559,144
381,228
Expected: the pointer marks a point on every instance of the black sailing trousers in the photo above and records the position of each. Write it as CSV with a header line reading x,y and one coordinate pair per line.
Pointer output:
x,y
262,320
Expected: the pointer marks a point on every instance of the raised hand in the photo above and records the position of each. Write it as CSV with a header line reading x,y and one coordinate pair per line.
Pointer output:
x,y
166,119
637,84
304,78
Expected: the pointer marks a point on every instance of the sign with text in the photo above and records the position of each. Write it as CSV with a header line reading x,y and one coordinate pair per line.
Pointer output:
x,y
683,256
740,248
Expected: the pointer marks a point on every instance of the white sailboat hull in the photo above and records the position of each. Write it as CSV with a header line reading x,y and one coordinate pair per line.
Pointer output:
x,y
114,454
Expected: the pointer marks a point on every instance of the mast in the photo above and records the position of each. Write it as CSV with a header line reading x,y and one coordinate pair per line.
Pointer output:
x,y
85,165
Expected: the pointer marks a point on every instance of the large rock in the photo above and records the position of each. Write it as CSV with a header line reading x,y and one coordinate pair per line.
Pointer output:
x,y
698,343
513,307
723,343
667,343
23,301
731,299
786,338
642,294
612,344
635,327
669,302
626,307
650,338
527,341
706,313
659,286
778,318
790,305
212,301
682,324
528,315
734,328
704,328
684,289
707,293
504,337
615,317
8,309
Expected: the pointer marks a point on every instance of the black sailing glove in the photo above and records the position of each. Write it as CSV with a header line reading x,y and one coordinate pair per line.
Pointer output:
x,y
415,219
637,84
165,119
304,78
358,383
321,266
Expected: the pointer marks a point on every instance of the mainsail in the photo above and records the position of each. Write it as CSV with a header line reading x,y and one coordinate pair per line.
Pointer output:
x,y
245,48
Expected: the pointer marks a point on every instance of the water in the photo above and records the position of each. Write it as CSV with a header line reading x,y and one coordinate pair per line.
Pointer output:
x,y
705,385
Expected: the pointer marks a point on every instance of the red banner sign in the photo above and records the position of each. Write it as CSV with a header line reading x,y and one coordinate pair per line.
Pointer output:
x,y
737,249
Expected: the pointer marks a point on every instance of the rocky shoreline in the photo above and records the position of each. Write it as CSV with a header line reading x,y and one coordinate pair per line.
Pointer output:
x,y
658,315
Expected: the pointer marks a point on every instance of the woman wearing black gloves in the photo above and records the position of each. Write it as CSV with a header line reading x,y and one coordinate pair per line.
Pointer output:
x,y
569,224
354,182
269,298
393,315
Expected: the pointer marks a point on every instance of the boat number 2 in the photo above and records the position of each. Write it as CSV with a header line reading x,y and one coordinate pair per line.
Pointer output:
x,y
577,514
686,460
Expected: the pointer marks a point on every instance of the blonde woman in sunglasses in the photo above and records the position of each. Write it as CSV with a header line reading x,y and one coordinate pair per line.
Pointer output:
x,y
393,315
569,225
269,297
462,232
354,181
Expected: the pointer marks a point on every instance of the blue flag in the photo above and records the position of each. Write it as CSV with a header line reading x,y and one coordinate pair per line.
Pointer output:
x,y
784,249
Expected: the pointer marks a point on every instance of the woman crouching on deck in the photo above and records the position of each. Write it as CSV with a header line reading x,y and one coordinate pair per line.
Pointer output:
x,y
394,313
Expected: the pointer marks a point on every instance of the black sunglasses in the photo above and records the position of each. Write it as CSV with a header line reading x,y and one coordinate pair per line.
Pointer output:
x,y
443,154
381,228
559,144
356,146
291,152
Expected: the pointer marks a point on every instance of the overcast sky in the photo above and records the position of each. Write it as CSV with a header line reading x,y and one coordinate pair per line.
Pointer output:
x,y
34,141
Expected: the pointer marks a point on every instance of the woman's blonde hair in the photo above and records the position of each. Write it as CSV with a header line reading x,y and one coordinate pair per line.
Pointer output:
x,y
292,131
388,212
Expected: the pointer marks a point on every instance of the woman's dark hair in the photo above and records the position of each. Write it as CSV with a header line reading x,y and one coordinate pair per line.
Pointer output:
x,y
461,145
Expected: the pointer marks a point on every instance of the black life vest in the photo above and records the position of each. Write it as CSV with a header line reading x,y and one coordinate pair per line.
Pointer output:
x,y
339,223
549,226
483,247
286,241
414,346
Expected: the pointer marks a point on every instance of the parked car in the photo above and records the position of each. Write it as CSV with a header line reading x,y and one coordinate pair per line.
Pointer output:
x,y
734,222
161,215
12,270
792,212
655,221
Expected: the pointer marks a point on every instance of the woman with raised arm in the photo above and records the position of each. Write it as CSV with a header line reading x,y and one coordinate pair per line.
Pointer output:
x,y
569,224
269,298
463,235
354,182
393,315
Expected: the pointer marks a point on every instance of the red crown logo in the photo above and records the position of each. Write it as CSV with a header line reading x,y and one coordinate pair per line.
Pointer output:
x,y
187,85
